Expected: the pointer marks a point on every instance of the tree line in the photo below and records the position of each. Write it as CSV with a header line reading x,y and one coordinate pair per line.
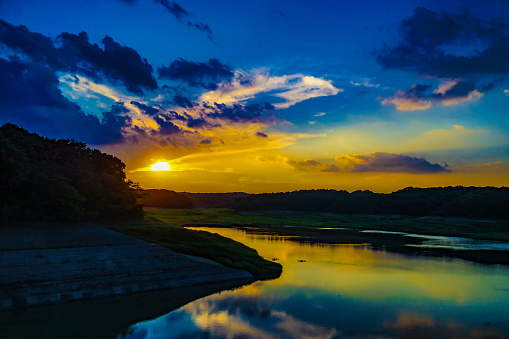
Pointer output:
x,y
459,201
63,180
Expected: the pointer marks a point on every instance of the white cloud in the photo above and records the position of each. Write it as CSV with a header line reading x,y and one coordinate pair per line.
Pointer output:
x,y
321,114
292,88
506,92
364,82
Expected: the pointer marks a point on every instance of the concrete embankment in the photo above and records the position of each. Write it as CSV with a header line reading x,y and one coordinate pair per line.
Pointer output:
x,y
40,266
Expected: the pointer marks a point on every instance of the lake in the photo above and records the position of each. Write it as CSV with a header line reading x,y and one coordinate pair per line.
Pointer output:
x,y
346,291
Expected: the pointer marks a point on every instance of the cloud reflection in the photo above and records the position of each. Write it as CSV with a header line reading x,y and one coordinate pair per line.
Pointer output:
x,y
229,315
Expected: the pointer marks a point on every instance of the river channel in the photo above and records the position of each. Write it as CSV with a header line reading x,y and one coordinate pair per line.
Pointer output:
x,y
346,291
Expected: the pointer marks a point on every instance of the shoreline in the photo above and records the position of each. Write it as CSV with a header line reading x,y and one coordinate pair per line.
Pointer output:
x,y
391,242
58,264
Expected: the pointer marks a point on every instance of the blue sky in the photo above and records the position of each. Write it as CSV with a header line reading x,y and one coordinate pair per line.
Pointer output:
x,y
268,95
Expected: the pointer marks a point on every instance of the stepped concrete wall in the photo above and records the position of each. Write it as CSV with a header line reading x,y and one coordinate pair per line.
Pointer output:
x,y
41,266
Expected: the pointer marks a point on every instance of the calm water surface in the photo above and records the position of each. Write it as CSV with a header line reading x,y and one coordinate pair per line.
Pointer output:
x,y
345,291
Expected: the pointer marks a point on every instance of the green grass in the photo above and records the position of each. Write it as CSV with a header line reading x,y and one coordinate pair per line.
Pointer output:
x,y
206,245
498,230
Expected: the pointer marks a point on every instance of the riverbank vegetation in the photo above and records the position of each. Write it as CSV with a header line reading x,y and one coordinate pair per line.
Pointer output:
x,y
206,245
463,227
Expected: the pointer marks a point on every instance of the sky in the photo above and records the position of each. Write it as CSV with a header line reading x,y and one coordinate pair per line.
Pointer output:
x,y
267,96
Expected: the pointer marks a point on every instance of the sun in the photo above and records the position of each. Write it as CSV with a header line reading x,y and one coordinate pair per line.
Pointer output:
x,y
160,166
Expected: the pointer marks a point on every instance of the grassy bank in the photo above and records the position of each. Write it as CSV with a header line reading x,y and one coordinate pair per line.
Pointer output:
x,y
460,227
206,245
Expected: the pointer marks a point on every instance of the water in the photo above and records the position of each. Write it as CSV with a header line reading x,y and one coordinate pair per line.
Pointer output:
x,y
346,291
452,243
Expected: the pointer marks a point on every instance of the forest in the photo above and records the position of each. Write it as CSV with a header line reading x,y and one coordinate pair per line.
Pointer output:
x,y
459,201
61,180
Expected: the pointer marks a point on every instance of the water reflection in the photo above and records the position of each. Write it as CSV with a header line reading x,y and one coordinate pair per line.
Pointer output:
x,y
347,291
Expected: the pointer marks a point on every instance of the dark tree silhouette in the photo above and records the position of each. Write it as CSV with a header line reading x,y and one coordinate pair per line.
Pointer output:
x,y
44,179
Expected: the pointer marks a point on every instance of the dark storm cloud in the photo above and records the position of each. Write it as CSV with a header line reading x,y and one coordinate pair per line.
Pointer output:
x,y
387,162
241,113
261,135
30,97
434,43
76,54
201,74
145,109
34,45
133,71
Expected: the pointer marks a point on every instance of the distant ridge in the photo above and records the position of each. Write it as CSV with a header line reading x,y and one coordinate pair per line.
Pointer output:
x,y
459,201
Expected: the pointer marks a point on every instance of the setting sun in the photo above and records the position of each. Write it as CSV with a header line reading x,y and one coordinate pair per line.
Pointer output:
x,y
160,166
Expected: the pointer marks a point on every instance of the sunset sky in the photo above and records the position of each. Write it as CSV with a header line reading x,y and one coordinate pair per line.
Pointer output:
x,y
267,96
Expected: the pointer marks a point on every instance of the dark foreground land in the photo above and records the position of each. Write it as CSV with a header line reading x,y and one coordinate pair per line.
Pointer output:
x,y
56,263
350,229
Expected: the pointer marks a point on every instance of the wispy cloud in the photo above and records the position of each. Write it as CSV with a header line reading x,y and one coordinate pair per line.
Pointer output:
x,y
291,88
364,82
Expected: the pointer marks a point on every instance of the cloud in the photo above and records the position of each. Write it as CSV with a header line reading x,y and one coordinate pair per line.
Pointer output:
x,y
410,100
387,162
200,123
320,114
166,127
291,88
30,97
201,74
241,113
506,91
180,14
434,43
34,45
365,83
204,28
304,165
457,47
261,135
133,71
182,101
76,54
449,92
145,109
174,8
